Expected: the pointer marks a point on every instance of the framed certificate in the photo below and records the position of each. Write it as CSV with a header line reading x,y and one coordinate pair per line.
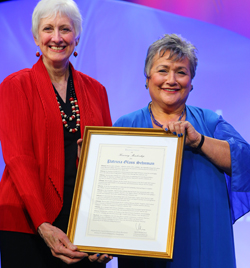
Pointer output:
x,y
126,192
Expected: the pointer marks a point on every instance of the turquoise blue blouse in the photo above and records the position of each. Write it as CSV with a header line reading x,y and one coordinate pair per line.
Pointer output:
x,y
209,201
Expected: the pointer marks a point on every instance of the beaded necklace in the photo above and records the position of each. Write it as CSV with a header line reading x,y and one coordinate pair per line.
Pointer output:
x,y
158,123
74,108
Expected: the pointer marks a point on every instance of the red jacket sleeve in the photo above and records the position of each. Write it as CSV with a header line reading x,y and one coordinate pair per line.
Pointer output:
x,y
17,147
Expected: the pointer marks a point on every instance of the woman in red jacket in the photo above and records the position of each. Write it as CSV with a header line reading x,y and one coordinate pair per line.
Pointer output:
x,y
43,113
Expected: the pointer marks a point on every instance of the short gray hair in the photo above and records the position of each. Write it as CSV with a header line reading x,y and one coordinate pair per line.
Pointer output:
x,y
179,49
50,8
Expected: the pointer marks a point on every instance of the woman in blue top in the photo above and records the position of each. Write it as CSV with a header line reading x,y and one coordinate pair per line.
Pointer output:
x,y
215,172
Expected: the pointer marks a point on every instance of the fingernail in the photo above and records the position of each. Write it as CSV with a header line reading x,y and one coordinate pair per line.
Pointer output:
x,y
174,133
179,135
98,255
105,257
166,129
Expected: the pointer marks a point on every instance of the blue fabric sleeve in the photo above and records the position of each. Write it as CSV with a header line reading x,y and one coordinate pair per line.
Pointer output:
x,y
239,183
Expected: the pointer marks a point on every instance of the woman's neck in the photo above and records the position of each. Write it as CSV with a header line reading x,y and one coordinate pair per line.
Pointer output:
x,y
58,72
168,114
59,75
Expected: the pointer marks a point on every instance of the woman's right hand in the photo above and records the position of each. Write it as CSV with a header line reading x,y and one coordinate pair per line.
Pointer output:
x,y
59,244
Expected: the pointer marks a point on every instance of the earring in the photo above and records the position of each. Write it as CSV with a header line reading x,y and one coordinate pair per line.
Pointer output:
x,y
37,53
146,85
75,53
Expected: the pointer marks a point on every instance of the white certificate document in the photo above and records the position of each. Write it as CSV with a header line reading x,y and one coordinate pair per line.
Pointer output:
x,y
128,188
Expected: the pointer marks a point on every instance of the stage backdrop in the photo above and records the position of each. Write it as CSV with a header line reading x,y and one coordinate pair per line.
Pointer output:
x,y
112,49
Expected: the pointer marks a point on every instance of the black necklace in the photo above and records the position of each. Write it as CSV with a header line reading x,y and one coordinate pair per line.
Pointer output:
x,y
158,123
74,108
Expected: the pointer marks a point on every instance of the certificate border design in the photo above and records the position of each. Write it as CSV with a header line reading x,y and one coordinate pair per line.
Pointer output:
x,y
75,207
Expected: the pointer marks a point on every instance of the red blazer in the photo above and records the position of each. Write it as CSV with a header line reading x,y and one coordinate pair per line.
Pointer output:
x,y
31,134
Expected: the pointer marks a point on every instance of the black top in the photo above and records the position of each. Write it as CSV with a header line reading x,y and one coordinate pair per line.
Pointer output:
x,y
70,150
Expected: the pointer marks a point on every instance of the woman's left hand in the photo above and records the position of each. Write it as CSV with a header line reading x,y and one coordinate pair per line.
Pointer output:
x,y
217,151
79,146
180,128
102,258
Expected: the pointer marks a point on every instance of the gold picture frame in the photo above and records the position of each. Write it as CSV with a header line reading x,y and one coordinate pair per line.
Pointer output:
x,y
126,192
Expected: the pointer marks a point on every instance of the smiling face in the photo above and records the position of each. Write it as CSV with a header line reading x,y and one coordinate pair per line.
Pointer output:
x,y
56,39
169,82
